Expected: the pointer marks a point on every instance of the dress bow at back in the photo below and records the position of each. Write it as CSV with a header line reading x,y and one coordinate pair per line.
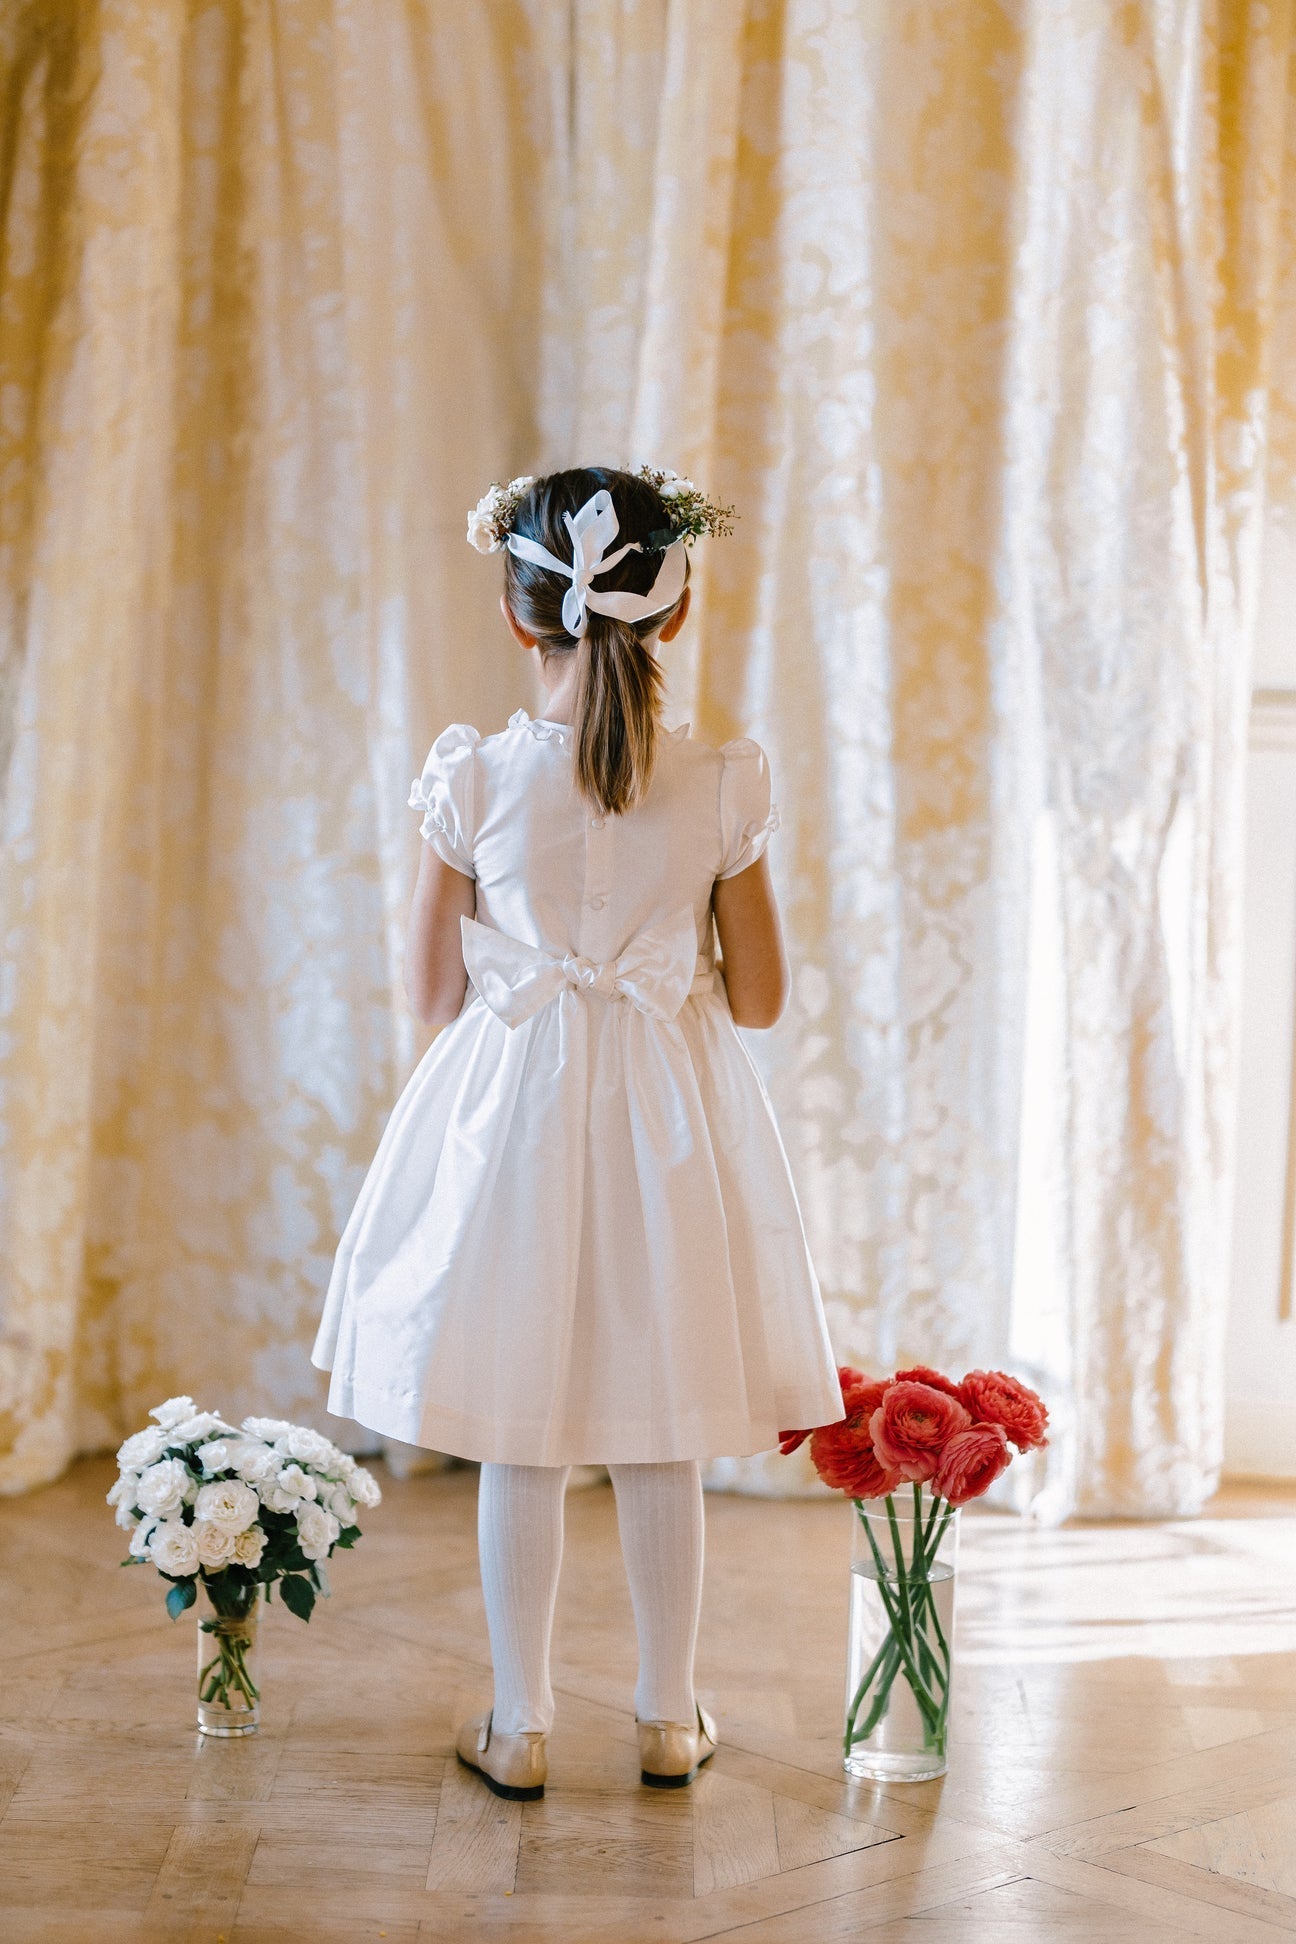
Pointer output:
x,y
656,972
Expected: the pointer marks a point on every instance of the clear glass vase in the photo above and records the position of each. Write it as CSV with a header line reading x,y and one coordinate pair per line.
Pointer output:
x,y
229,1690
901,1637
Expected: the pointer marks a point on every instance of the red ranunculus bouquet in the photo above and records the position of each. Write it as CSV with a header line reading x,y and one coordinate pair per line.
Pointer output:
x,y
947,1442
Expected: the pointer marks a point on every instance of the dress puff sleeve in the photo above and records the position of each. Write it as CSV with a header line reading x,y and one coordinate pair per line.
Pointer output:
x,y
444,793
747,817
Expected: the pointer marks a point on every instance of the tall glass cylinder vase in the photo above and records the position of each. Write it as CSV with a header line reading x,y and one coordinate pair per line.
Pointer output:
x,y
901,1636
229,1692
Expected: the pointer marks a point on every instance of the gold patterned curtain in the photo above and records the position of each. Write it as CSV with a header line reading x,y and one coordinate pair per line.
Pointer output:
x,y
974,312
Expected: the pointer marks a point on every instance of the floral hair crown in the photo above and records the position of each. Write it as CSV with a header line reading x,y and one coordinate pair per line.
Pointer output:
x,y
690,513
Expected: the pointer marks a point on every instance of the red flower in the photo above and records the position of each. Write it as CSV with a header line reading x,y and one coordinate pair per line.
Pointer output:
x,y
970,1463
912,1425
845,1459
842,1453
924,1374
994,1397
850,1380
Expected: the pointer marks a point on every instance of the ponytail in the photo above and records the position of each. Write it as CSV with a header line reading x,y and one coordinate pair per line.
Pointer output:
x,y
618,704
619,686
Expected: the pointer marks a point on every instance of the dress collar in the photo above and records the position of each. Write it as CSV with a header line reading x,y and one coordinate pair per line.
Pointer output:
x,y
542,730
545,731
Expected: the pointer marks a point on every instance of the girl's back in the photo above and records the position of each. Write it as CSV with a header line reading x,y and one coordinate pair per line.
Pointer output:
x,y
558,872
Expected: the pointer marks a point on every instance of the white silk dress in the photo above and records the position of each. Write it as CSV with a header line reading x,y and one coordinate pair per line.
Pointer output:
x,y
579,1241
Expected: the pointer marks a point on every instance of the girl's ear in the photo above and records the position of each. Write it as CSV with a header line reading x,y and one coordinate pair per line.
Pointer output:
x,y
519,633
680,616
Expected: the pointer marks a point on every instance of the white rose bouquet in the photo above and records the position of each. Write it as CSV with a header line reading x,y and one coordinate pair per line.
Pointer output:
x,y
238,1510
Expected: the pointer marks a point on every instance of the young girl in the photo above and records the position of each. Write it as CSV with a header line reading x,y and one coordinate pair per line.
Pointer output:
x,y
579,1242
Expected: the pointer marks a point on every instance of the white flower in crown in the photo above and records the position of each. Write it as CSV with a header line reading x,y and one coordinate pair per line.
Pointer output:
x,y
491,520
673,487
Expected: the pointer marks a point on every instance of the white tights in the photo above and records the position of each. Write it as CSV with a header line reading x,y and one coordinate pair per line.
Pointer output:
x,y
520,1538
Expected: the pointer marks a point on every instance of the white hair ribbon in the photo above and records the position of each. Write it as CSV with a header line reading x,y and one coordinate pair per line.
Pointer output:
x,y
594,528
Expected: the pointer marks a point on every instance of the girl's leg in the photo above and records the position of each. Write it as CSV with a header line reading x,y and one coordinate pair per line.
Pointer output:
x,y
519,1542
659,1510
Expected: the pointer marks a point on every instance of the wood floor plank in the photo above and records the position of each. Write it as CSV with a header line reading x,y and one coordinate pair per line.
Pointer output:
x,y
475,1844
1207,1886
1194,1916
734,1835
202,1875
808,1835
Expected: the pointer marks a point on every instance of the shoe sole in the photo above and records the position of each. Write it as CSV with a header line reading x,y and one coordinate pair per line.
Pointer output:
x,y
651,1781
504,1789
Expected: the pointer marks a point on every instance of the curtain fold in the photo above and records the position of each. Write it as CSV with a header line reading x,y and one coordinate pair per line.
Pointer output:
x,y
981,317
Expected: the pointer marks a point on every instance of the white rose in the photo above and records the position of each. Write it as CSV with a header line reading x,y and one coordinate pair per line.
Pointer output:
x,y
249,1546
214,1456
162,1488
522,484
257,1463
122,1491
673,488
142,1449
316,1530
139,1542
173,1548
267,1428
309,1447
363,1486
174,1411
215,1544
194,1430
293,1480
227,1502
340,1503
481,529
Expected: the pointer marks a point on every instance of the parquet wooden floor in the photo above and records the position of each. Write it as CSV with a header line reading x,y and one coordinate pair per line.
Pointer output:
x,y
1124,1760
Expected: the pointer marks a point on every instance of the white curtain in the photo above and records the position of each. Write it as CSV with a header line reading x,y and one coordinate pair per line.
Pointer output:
x,y
971,313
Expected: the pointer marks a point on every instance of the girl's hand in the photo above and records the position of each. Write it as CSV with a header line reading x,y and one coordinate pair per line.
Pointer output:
x,y
435,976
751,945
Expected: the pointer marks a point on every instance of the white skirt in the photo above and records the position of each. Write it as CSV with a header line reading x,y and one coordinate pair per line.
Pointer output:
x,y
579,1243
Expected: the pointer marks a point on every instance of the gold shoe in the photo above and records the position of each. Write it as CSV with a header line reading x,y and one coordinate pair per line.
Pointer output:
x,y
514,1766
671,1754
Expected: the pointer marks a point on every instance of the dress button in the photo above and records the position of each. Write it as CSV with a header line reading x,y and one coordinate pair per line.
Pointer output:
x,y
596,823
597,904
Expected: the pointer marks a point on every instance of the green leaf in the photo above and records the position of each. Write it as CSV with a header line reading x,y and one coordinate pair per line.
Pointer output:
x,y
179,1596
347,1537
298,1595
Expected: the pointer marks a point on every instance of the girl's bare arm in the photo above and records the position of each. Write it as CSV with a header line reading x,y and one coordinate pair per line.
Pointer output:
x,y
435,977
751,944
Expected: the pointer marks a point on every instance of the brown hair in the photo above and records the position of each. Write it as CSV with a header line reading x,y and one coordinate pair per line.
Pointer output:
x,y
618,683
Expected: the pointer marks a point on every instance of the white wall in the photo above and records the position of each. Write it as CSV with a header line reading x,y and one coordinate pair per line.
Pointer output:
x,y
1260,1415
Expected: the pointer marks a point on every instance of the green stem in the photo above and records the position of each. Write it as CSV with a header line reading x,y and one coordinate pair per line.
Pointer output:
x,y
897,1610
881,1699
